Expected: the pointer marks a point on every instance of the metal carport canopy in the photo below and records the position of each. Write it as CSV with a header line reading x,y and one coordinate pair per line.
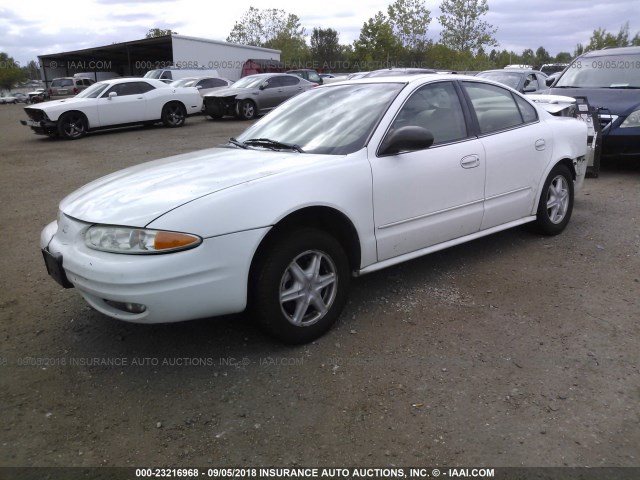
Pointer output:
x,y
132,58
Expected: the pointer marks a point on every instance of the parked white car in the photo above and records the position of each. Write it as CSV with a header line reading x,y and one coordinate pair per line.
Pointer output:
x,y
341,180
116,102
203,84
8,99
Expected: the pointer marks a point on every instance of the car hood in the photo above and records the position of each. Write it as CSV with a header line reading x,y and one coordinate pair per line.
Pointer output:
x,y
230,92
62,103
615,101
138,195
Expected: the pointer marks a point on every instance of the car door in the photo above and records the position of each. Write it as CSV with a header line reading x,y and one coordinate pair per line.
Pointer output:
x,y
124,103
291,86
430,196
517,147
271,94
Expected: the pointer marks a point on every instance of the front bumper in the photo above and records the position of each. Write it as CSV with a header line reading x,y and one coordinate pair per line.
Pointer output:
x,y
205,281
44,127
621,142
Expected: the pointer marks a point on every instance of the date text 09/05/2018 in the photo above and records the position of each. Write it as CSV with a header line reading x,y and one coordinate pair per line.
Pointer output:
x,y
313,472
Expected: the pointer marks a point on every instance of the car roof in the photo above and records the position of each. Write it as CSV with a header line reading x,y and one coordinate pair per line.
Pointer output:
x,y
409,78
612,51
202,77
513,70
265,75
152,81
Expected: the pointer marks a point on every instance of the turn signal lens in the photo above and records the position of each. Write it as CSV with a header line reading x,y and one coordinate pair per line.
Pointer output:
x,y
138,241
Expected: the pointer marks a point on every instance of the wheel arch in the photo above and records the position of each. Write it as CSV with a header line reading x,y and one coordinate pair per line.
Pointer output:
x,y
173,100
84,115
324,218
567,162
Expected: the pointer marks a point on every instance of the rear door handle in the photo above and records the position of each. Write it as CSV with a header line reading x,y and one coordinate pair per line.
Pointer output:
x,y
470,161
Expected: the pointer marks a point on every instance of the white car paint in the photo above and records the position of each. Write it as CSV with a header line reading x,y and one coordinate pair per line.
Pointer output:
x,y
107,110
401,206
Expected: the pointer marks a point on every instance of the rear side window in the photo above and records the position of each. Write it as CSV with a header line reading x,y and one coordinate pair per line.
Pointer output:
x,y
527,111
289,81
495,107
212,83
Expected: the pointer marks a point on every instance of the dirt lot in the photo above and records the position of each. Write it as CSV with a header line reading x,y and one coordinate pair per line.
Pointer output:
x,y
513,350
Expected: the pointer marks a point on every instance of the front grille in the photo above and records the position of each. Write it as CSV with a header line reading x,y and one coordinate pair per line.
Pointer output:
x,y
36,114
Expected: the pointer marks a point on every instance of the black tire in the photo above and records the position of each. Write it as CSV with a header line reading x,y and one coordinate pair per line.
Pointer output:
x,y
215,109
246,110
173,115
300,285
72,125
556,201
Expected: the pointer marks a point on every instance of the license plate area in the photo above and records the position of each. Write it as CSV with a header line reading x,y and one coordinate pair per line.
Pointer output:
x,y
53,262
32,123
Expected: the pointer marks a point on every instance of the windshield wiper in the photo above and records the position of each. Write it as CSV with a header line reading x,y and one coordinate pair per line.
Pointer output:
x,y
237,143
566,86
273,144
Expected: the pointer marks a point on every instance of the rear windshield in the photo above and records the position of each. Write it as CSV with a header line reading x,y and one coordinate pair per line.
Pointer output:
x,y
62,82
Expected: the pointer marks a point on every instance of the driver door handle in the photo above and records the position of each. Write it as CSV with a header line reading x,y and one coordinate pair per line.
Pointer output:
x,y
470,161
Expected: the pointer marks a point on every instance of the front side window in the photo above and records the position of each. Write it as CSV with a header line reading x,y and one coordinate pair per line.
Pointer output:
x,y
436,108
495,107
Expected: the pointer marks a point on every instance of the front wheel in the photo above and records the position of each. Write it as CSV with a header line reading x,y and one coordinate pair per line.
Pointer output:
x,y
556,201
300,286
246,110
72,125
215,109
173,115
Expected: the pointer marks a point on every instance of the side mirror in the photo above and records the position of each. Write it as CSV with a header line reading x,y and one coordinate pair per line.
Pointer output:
x,y
406,139
549,81
199,87
264,85
112,94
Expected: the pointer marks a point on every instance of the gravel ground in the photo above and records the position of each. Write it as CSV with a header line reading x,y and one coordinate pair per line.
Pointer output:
x,y
512,350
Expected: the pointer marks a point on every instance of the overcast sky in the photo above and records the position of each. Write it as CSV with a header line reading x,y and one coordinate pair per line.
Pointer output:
x,y
35,27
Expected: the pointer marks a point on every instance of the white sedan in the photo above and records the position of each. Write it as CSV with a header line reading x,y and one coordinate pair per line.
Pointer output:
x,y
341,180
111,103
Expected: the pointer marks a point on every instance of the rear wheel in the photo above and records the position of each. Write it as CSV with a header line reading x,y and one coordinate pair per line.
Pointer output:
x,y
556,201
300,286
72,125
173,115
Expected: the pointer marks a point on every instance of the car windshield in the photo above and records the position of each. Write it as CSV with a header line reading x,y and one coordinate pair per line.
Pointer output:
x,y
333,120
184,82
93,91
153,74
607,71
510,79
250,82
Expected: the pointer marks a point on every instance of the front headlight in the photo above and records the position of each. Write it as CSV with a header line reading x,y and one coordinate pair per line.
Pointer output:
x,y
138,241
632,120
